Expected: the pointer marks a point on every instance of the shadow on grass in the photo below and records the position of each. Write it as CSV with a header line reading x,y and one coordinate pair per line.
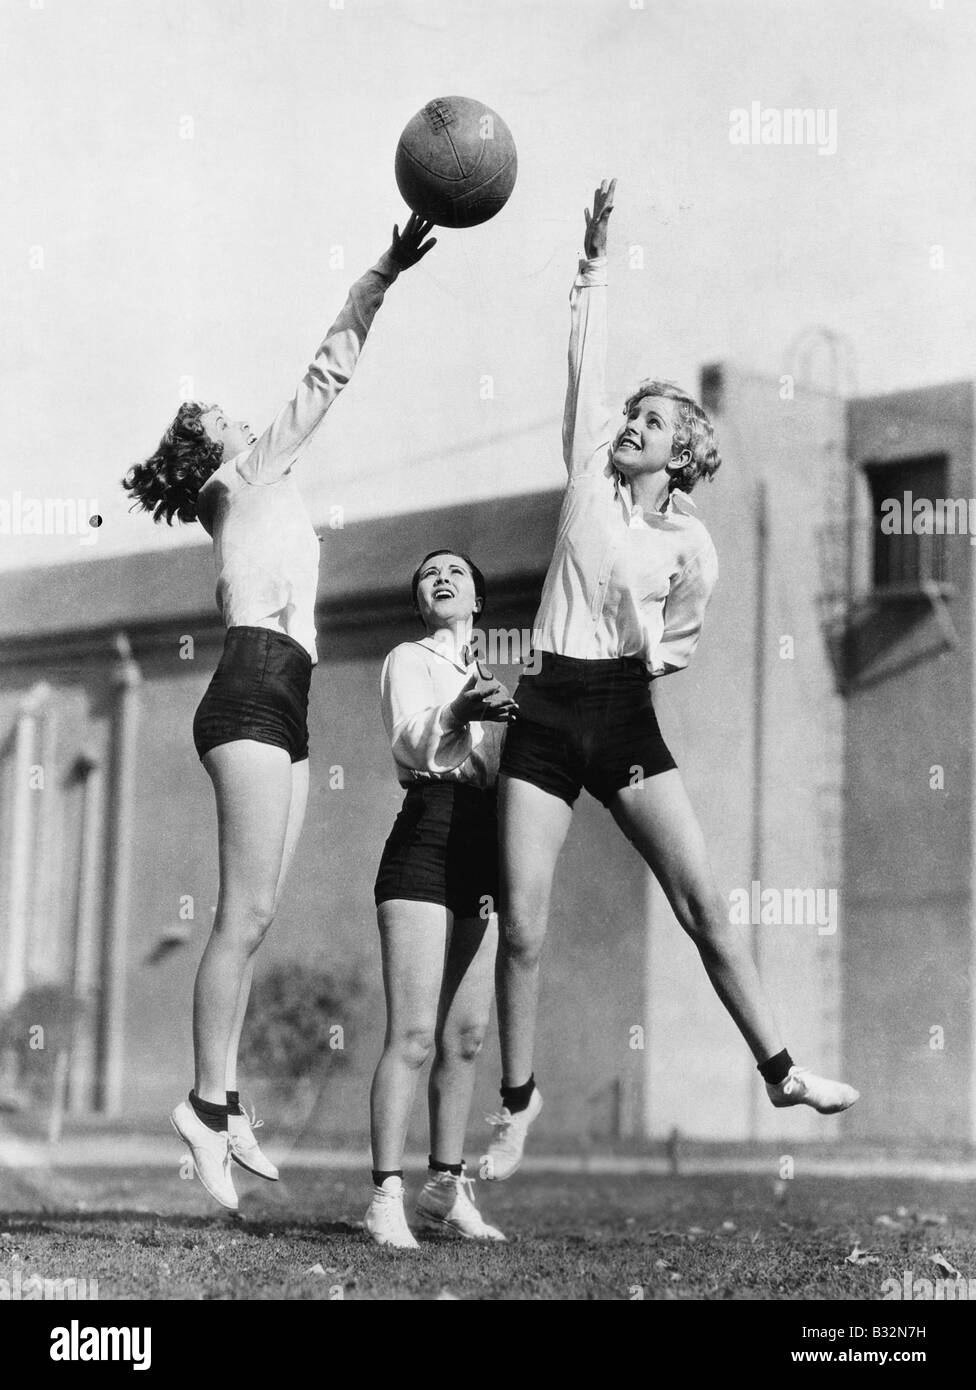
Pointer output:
x,y
44,1221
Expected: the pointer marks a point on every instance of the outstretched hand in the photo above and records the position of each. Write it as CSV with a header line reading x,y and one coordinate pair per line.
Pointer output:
x,y
595,244
406,248
484,698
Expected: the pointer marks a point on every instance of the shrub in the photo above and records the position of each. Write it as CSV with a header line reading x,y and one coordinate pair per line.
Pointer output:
x,y
297,1020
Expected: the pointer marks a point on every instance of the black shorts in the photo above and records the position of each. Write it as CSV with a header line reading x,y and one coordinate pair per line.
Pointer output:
x,y
259,691
443,849
585,724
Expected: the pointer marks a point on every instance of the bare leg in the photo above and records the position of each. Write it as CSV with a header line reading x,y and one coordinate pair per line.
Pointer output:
x,y
463,1014
658,819
233,1046
296,819
532,829
253,786
414,939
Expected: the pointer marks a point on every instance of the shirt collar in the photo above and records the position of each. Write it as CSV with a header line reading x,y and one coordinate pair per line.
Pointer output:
x,y
678,501
681,502
442,642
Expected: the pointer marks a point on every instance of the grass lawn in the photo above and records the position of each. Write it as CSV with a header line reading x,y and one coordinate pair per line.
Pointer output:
x,y
151,1235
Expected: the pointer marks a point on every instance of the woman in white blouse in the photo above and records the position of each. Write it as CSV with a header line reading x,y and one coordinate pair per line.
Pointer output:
x,y
622,605
251,728
435,897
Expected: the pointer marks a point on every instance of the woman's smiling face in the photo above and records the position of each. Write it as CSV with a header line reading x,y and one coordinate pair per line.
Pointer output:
x,y
643,442
445,591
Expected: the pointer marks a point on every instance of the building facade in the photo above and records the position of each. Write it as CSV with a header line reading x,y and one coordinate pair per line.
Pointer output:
x,y
108,832
904,645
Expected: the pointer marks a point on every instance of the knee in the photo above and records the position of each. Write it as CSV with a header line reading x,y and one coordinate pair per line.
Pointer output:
x,y
523,932
464,1042
413,1046
248,921
705,917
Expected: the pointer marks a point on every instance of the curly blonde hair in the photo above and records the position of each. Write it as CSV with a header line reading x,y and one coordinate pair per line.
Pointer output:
x,y
693,433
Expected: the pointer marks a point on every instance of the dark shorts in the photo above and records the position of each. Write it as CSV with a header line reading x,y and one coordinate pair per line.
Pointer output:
x,y
443,849
259,691
585,724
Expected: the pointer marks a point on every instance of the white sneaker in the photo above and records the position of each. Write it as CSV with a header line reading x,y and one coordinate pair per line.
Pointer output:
x,y
244,1148
508,1141
802,1087
447,1204
210,1152
385,1219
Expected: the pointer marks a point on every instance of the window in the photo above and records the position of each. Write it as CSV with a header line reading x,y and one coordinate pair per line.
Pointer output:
x,y
912,552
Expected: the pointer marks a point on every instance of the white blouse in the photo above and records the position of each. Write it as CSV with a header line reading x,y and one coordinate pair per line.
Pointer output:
x,y
620,582
418,683
266,551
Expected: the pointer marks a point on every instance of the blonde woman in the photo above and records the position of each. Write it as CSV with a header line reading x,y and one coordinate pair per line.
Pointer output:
x,y
623,605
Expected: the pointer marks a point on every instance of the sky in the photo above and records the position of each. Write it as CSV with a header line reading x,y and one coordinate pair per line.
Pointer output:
x,y
191,187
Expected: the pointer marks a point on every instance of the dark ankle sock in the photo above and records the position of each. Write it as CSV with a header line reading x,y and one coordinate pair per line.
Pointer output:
x,y
516,1098
435,1167
776,1069
380,1175
213,1116
234,1102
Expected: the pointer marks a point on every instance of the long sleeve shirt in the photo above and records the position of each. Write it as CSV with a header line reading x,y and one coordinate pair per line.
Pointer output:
x,y
418,683
621,582
266,551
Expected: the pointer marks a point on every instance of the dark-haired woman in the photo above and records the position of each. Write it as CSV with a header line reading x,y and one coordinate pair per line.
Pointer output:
x,y
622,605
250,729
435,898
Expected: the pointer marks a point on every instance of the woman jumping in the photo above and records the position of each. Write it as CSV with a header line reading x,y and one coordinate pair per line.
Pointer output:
x,y
435,898
622,605
251,729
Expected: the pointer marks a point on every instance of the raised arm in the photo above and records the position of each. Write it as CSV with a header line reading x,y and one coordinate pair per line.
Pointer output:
x,y
684,612
586,421
296,422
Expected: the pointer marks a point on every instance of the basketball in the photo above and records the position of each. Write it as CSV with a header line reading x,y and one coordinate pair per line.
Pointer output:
x,y
456,162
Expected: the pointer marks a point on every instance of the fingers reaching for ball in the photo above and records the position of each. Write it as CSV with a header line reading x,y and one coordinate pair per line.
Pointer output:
x,y
595,244
409,246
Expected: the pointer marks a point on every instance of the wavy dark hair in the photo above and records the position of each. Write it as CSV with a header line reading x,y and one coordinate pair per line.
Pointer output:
x,y
168,482
693,434
480,590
